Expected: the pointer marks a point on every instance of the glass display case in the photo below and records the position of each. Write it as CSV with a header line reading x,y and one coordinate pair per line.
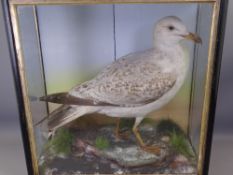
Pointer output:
x,y
116,87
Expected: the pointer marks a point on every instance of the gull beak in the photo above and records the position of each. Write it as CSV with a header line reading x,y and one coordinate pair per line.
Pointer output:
x,y
194,37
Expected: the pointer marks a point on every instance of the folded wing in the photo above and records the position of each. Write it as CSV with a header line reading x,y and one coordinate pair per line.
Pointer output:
x,y
133,80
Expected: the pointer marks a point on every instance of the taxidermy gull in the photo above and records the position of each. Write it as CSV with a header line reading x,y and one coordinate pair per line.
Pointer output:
x,y
132,86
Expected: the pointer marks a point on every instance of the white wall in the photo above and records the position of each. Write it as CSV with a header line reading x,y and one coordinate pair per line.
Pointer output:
x,y
12,161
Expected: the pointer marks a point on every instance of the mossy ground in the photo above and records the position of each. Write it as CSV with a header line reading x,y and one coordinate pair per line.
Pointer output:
x,y
180,144
102,138
61,143
178,139
102,143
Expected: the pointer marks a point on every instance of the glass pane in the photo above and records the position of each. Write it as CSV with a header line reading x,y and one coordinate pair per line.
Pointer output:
x,y
156,76
33,69
199,72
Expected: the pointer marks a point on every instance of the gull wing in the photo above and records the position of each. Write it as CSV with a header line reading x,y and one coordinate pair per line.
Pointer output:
x,y
133,80
66,98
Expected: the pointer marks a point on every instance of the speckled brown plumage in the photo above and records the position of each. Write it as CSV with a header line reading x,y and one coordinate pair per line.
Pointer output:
x,y
132,80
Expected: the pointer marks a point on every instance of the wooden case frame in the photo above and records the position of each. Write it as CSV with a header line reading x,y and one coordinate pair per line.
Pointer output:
x,y
211,85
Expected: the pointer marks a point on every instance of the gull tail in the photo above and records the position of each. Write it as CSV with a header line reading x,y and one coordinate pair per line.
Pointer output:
x,y
65,114
72,108
54,119
62,116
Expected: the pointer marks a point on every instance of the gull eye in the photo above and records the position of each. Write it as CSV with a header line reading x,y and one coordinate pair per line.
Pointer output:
x,y
171,28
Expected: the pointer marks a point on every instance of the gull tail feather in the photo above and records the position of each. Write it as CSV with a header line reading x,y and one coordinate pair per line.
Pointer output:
x,y
61,116
54,113
66,115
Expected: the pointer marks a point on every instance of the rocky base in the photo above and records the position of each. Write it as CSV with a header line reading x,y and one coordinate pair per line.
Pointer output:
x,y
119,156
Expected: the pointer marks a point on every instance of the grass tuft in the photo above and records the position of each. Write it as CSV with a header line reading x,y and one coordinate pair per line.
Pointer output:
x,y
180,144
102,143
61,143
178,139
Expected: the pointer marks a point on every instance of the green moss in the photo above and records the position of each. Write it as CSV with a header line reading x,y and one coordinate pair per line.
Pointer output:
x,y
101,142
178,139
62,141
179,143
167,127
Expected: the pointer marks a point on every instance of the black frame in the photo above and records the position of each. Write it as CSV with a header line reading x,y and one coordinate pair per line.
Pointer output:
x,y
215,83
17,80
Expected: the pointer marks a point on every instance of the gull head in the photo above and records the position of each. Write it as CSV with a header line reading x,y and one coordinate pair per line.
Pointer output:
x,y
170,30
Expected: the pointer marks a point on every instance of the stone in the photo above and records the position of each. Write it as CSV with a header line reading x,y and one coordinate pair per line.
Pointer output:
x,y
133,156
50,171
181,158
165,139
119,172
126,153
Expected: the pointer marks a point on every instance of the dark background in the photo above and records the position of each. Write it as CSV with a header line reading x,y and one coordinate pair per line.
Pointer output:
x,y
11,150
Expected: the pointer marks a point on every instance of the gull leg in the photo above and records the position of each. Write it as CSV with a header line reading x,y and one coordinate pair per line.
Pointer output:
x,y
151,149
117,130
118,134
